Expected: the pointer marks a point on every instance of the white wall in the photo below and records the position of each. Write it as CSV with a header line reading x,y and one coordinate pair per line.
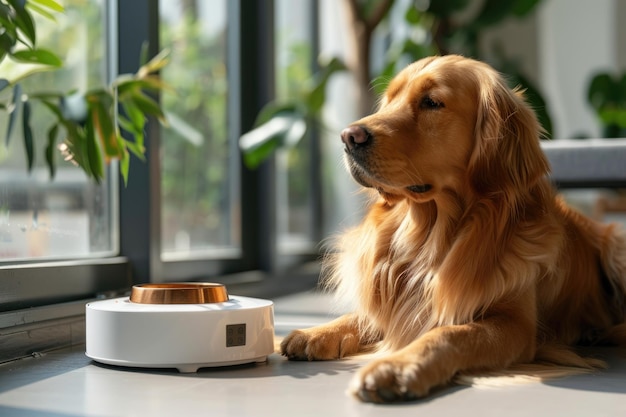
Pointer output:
x,y
577,38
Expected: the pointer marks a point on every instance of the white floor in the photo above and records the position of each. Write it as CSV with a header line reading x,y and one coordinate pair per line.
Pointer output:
x,y
66,383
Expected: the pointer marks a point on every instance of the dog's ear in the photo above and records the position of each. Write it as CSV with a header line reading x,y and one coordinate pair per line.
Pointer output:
x,y
507,158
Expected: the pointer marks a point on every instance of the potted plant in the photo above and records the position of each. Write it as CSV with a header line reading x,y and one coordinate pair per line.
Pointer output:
x,y
87,128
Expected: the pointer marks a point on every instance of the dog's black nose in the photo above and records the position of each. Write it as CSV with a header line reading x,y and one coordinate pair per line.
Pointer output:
x,y
354,136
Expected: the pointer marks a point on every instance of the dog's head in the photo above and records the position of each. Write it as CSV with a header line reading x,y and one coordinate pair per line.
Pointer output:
x,y
446,124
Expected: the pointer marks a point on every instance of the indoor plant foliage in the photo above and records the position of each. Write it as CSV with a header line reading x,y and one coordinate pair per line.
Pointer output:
x,y
606,94
86,127
283,123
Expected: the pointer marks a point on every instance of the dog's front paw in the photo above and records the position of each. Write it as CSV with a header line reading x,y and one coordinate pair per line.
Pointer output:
x,y
318,343
393,379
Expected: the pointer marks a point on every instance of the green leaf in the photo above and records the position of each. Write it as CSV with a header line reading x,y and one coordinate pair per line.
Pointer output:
x,y
317,94
143,54
285,128
27,72
135,116
606,115
138,151
24,22
38,56
125,167
126,124
6,44
134,85
273,109
50,149
102,124
621,91
147,105
56,109
620,118
50,4
6,20
94,154
45,95
296,132
253,157
41,11
133,125
28,135
523,7
13,111
5,12
316,98
600,91
412,15
159,61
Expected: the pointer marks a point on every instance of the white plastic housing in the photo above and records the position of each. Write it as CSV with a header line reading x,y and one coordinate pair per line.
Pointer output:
x,y
182,336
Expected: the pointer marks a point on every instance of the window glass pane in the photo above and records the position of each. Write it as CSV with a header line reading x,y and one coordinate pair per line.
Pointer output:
x,y
198,210
293,74
69,216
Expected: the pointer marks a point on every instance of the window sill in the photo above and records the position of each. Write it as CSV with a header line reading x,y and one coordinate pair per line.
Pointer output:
x,y
30,332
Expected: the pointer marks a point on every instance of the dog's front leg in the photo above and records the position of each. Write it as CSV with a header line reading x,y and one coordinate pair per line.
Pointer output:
x,y
433,359
336,339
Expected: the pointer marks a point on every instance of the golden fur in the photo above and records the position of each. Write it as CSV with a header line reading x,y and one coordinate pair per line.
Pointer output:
x,y
467,261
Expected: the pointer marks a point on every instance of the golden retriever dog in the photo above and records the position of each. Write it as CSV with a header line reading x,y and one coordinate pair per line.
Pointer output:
x,y
466,261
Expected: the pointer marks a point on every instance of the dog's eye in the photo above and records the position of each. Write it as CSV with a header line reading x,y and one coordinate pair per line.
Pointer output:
x,y
428,103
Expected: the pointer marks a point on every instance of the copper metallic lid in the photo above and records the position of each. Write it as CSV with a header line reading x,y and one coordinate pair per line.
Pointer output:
x,y
179,293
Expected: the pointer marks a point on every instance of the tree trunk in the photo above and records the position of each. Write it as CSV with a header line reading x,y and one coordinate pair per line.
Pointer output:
x,y
360,29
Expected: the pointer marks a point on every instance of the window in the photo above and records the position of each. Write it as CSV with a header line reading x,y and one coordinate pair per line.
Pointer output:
x,y
297,191
199,180
70,216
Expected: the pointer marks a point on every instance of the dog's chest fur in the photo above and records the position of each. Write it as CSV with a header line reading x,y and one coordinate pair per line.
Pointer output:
x,y
412,267
390,270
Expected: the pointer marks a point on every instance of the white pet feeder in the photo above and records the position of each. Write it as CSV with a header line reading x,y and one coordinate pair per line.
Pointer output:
x,y
183,325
